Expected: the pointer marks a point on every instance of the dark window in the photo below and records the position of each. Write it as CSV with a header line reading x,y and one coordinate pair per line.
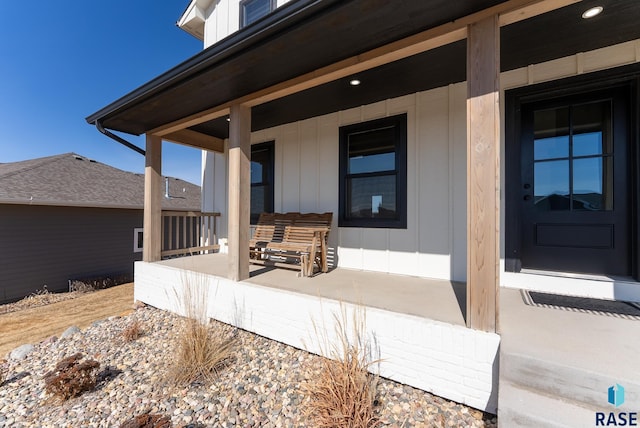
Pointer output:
x,y
261,179
138,239
573,157
252,10
373,173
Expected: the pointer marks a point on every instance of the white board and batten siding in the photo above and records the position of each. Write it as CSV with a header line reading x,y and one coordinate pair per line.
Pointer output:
x,y
434,243
222,18
306,180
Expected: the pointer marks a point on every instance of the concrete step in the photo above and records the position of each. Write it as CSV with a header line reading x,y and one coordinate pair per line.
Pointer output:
x,y
520,407
545,392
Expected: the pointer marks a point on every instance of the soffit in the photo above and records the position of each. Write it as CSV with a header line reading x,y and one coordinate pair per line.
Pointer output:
x,y
341,30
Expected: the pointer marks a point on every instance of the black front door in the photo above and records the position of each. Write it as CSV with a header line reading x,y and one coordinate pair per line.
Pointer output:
x,y
574,184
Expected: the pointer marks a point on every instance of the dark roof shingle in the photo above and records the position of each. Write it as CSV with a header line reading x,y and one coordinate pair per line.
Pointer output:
x,y
73,180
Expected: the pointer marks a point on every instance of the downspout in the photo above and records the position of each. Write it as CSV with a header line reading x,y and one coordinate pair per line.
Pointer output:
x,y
118,139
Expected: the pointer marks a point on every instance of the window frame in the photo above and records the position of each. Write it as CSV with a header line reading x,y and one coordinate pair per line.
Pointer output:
x,y
270,147
243,3
399,124
138,239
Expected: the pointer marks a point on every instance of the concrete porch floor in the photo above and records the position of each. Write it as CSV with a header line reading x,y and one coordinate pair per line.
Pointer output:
x,y
438,300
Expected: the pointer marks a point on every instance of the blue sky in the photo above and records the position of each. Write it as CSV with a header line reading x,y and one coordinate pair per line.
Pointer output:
x,y
62,60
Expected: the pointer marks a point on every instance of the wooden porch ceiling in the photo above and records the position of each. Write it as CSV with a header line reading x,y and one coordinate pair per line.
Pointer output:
x,y
426,59
566,33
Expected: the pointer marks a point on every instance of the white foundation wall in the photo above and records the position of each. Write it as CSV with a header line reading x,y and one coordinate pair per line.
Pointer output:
x,y
222,18
447,360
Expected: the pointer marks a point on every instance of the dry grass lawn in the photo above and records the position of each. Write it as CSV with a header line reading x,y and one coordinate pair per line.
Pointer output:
x,y
36,324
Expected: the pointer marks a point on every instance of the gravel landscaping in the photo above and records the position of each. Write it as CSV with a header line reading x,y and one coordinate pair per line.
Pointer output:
x,y
260,387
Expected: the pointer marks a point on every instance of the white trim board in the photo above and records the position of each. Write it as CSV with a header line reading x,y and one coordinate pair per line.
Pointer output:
x,y
600,288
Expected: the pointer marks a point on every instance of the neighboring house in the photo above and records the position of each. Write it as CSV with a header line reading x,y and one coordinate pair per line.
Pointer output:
x,y
68,217
491,142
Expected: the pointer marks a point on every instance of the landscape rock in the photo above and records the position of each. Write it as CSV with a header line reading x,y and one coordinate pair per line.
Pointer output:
x,y
21,352
50,340
138,305
260,387
69,332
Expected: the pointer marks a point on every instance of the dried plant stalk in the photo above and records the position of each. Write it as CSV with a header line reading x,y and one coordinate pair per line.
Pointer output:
x,y
343,394
200,350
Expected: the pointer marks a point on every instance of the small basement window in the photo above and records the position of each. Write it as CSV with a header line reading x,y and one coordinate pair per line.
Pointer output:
x,y
373,174
138,235
252,10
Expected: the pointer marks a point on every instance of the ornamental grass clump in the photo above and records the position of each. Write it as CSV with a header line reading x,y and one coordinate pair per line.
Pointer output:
x,y
342,394
71,377
200,350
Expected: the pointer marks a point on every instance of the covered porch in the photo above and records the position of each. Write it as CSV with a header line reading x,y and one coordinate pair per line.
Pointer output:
x,y
227,127
446,68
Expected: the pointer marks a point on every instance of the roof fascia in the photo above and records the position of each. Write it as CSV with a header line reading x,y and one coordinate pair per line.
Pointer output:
x,y
67,204
83,205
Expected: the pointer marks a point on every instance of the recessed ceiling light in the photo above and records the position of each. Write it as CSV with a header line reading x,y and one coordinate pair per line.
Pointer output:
x,y
594,11
354,82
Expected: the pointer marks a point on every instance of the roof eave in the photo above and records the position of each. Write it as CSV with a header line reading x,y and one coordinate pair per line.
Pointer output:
x,y
241,40
53,203
193,18
86,205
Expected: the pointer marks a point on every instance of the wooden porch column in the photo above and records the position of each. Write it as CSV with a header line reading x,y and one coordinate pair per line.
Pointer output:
x,y
239,191
483,173
152,200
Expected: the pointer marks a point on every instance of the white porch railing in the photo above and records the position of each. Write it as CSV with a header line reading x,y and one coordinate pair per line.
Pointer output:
x,y
188,233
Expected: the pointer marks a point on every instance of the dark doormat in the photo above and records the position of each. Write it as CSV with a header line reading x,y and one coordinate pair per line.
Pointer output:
x,y
612,308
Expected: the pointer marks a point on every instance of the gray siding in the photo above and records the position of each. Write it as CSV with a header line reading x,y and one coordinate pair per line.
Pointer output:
x,y
49,245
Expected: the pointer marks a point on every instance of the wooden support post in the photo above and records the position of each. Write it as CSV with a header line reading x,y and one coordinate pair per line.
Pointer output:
x,y
239,191
152,200
483,173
